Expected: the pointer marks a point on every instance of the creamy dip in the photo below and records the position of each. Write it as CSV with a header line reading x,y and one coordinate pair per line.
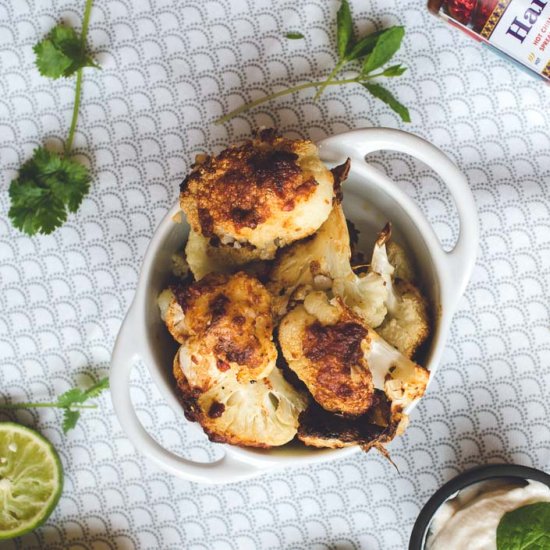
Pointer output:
x,y
470,519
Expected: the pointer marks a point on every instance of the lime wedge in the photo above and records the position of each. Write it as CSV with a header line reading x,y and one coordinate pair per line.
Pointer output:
x,y
31,480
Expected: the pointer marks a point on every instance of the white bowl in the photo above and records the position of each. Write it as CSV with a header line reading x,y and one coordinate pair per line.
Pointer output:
x,y
370,199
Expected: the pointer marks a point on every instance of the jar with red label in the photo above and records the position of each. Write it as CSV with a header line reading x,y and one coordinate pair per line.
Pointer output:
x,y
518,28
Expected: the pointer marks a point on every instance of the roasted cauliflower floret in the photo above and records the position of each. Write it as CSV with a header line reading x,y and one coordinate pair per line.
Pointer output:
x,y
180,267
406,325
204,258
226,366
172,314
407,328
262,195
260,414
378,426
401,262
342,361
326,352
227,315
322,262
364,294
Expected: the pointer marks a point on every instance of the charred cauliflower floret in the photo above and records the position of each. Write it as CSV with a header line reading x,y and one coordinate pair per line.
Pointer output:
x,y
204,258
342,361
323,345
228,315
259,196
260,414
378,426
406,325
322,262
226,366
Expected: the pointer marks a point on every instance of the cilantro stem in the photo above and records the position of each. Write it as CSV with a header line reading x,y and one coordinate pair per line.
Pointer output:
x,y
76,106
332,74
78,88
294,89
86,20
282,93
43,405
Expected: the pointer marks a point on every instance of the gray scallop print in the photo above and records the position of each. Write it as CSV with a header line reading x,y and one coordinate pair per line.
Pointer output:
x,y
169,68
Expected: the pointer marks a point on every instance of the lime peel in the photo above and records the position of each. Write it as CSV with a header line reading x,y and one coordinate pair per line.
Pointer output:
x,y
31,480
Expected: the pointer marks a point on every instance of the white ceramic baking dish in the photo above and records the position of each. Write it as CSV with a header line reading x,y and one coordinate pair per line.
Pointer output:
x,y
370,199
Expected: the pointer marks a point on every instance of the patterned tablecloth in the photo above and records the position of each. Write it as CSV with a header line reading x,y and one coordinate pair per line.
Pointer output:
x,y
169,68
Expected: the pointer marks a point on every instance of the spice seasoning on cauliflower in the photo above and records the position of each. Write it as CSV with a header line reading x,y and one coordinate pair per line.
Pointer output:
x,y
328,357
259,196
230,317
226,366
342,360
260,414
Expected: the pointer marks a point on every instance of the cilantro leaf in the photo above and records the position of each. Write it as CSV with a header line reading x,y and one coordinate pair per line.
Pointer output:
x,y
70,418
294,35
74,395
387,44
525,528
78,396
344,29
47,185
61,53
97,388
385,95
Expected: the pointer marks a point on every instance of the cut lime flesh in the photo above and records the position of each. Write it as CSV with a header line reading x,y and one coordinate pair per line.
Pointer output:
x,y
31,480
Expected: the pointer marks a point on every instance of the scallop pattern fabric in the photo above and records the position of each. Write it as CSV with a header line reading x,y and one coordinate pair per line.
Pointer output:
x,y
169,68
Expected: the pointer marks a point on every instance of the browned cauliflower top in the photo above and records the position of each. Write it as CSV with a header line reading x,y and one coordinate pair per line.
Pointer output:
x,y
267,193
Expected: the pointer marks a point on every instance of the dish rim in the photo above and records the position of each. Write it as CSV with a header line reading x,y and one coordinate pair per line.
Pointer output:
x,y
451,270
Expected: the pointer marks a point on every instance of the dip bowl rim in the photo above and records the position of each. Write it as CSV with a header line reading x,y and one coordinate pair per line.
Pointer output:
x,y
462,481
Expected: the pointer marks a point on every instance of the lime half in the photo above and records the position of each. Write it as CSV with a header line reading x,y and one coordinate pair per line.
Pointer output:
x,y
31,479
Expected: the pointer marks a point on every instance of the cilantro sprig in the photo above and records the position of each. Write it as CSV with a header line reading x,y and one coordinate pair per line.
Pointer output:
x,y
49,184
368,55
71,402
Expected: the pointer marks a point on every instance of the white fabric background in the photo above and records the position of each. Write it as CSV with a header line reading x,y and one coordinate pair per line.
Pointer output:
x,y
169,68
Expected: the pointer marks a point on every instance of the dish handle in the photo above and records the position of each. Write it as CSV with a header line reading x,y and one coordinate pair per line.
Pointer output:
x,y
357,144
228,469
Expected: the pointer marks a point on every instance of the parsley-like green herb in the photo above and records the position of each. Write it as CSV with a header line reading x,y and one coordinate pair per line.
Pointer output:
x,y
526,528
71,402
49,185
62,53
294,35
368,54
